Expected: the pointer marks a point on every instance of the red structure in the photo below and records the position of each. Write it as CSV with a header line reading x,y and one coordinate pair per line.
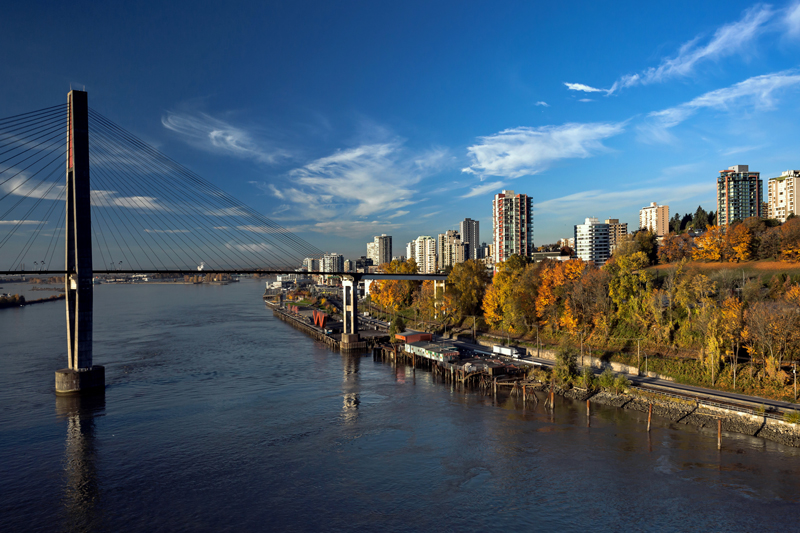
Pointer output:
x,y
320,318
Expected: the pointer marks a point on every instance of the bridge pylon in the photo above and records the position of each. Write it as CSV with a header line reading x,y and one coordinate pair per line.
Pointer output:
x,y
350,308
81,374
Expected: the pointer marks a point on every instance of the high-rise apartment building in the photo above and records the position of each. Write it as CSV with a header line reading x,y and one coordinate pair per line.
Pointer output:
x,y
591,241
782,195
451,249
471,236
332,263
655,218
423,251
739,194
311,264
512,225
380,249
617,231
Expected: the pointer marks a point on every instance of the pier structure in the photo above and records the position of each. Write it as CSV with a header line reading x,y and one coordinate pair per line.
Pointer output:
x,y
350,308
80,374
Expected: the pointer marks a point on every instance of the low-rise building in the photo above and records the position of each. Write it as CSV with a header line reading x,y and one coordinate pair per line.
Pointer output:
x,y
435,352
617,231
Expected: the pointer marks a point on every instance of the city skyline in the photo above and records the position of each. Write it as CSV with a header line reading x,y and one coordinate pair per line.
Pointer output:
x,y
346,122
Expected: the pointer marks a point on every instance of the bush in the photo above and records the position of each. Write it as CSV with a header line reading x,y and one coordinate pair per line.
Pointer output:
x,y
566,366
398,326
588,381
793,417
621,384
606,380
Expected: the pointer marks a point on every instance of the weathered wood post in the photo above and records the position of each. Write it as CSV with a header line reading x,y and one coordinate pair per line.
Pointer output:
x,y
649,416
719,433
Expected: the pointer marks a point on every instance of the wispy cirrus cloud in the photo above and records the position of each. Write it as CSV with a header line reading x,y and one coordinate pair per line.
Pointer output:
x,y
362,181
524,151
758,92
737,38
542,104
599,201
485,188
730,39
21,222
583,88
215,135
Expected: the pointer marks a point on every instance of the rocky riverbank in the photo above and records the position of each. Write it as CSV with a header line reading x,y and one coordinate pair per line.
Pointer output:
x,y
686,411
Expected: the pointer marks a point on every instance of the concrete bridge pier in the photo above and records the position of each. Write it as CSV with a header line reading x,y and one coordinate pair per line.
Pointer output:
x,y
80,375
350,309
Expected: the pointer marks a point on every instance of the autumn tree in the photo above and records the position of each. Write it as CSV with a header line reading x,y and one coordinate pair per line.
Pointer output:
x,y
709,246
467,283
739,243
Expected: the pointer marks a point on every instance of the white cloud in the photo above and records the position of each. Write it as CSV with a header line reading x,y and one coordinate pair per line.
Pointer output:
x,y
105,198
357,182
586,100
584,88
594,201
21,185
792,20
347,227
542,104
215,135
485,188
19,222
398,214
731,39
524,151
758,92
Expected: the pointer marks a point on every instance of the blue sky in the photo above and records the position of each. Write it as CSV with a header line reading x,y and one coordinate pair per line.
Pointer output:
x,y
341,120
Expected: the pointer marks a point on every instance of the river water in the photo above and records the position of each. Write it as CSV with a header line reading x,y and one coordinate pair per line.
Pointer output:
x,y
217,416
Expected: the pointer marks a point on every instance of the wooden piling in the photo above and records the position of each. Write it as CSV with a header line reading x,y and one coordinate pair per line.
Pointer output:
x,y
649,416
719,433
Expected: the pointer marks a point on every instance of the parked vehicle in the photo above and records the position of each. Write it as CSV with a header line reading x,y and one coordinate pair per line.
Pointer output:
x,y
508,351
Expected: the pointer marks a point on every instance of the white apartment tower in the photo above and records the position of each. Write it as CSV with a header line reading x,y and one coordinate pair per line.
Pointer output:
x,y
451,249
591,241
423,251
512,225
471,236
380,249
333,263
782,195
655,218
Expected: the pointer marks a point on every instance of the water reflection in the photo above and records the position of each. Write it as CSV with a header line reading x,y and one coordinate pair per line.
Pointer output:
x,y
81,490
350,387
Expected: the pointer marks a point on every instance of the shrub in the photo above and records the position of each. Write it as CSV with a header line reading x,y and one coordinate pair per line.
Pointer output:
x,y
606,380
621,384
588,381
566,366
793,417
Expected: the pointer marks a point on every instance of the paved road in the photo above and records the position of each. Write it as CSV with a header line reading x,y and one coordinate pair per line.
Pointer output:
x,y
711,395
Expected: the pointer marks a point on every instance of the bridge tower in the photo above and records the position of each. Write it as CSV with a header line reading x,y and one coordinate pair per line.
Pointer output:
x,y
350,310
80,375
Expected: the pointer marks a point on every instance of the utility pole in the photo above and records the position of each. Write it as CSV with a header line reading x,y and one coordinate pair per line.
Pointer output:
x,y
638,356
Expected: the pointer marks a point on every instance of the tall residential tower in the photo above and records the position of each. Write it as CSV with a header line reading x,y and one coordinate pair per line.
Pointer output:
x,y
471,235
739,194
512,225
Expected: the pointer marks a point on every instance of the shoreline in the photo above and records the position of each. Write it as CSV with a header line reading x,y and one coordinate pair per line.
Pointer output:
x,y
687,409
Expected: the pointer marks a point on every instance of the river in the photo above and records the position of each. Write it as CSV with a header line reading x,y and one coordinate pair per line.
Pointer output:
x,y
217,416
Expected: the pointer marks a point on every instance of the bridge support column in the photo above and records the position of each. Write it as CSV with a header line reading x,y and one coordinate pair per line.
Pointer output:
x,y
80,375
350,310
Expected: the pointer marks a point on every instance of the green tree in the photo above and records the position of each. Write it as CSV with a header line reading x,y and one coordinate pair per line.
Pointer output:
x,y
467,282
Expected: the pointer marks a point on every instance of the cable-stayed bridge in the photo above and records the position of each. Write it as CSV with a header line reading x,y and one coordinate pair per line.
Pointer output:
x,y
125,208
